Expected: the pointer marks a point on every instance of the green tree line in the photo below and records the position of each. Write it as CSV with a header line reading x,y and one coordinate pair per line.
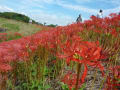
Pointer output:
x,y
16,16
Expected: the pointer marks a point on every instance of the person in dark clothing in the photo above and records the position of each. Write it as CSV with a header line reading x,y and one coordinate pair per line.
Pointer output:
x,y
79,19
119,13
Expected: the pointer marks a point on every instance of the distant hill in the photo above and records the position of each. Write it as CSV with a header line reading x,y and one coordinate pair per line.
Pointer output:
x,y
17,16
26,29
17,26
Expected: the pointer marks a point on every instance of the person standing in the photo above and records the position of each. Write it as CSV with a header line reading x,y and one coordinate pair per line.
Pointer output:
x,y
79,19
119,13
100,14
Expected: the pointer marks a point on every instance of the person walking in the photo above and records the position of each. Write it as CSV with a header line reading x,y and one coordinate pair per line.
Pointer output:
x,y
100,14
79,19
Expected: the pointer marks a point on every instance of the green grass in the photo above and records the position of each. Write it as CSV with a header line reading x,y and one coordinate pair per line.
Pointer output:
x,y
10,27
18,26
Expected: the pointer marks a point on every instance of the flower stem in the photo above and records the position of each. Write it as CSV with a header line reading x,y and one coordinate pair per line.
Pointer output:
x,y
78,75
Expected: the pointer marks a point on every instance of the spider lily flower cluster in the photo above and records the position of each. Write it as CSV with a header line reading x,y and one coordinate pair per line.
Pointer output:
x,y
92,43
83,52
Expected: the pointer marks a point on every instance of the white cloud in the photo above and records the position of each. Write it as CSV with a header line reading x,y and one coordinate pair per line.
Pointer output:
x,y
31,3
83,1
91,11
59,19
48,1
116,2
6,9
41,1
41,15
114,10
77,7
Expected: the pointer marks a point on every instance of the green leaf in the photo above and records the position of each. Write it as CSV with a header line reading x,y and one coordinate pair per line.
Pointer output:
x,y
83,86
47,86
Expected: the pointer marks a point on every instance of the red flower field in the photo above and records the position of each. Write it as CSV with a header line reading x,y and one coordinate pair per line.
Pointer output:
x,y
77,47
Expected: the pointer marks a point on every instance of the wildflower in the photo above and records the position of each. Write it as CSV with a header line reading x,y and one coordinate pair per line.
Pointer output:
x,y
83,52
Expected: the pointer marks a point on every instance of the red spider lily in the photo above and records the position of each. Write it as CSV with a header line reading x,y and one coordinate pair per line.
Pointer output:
x,y
17,34
5,67
3,36
70,80
112,84
98,31
114,33
83,52
113,78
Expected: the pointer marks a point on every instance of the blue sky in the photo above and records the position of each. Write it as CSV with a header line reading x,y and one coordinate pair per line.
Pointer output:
x,y
61,12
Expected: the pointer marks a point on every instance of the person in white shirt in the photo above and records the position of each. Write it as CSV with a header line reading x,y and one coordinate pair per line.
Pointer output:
x,y
100,14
